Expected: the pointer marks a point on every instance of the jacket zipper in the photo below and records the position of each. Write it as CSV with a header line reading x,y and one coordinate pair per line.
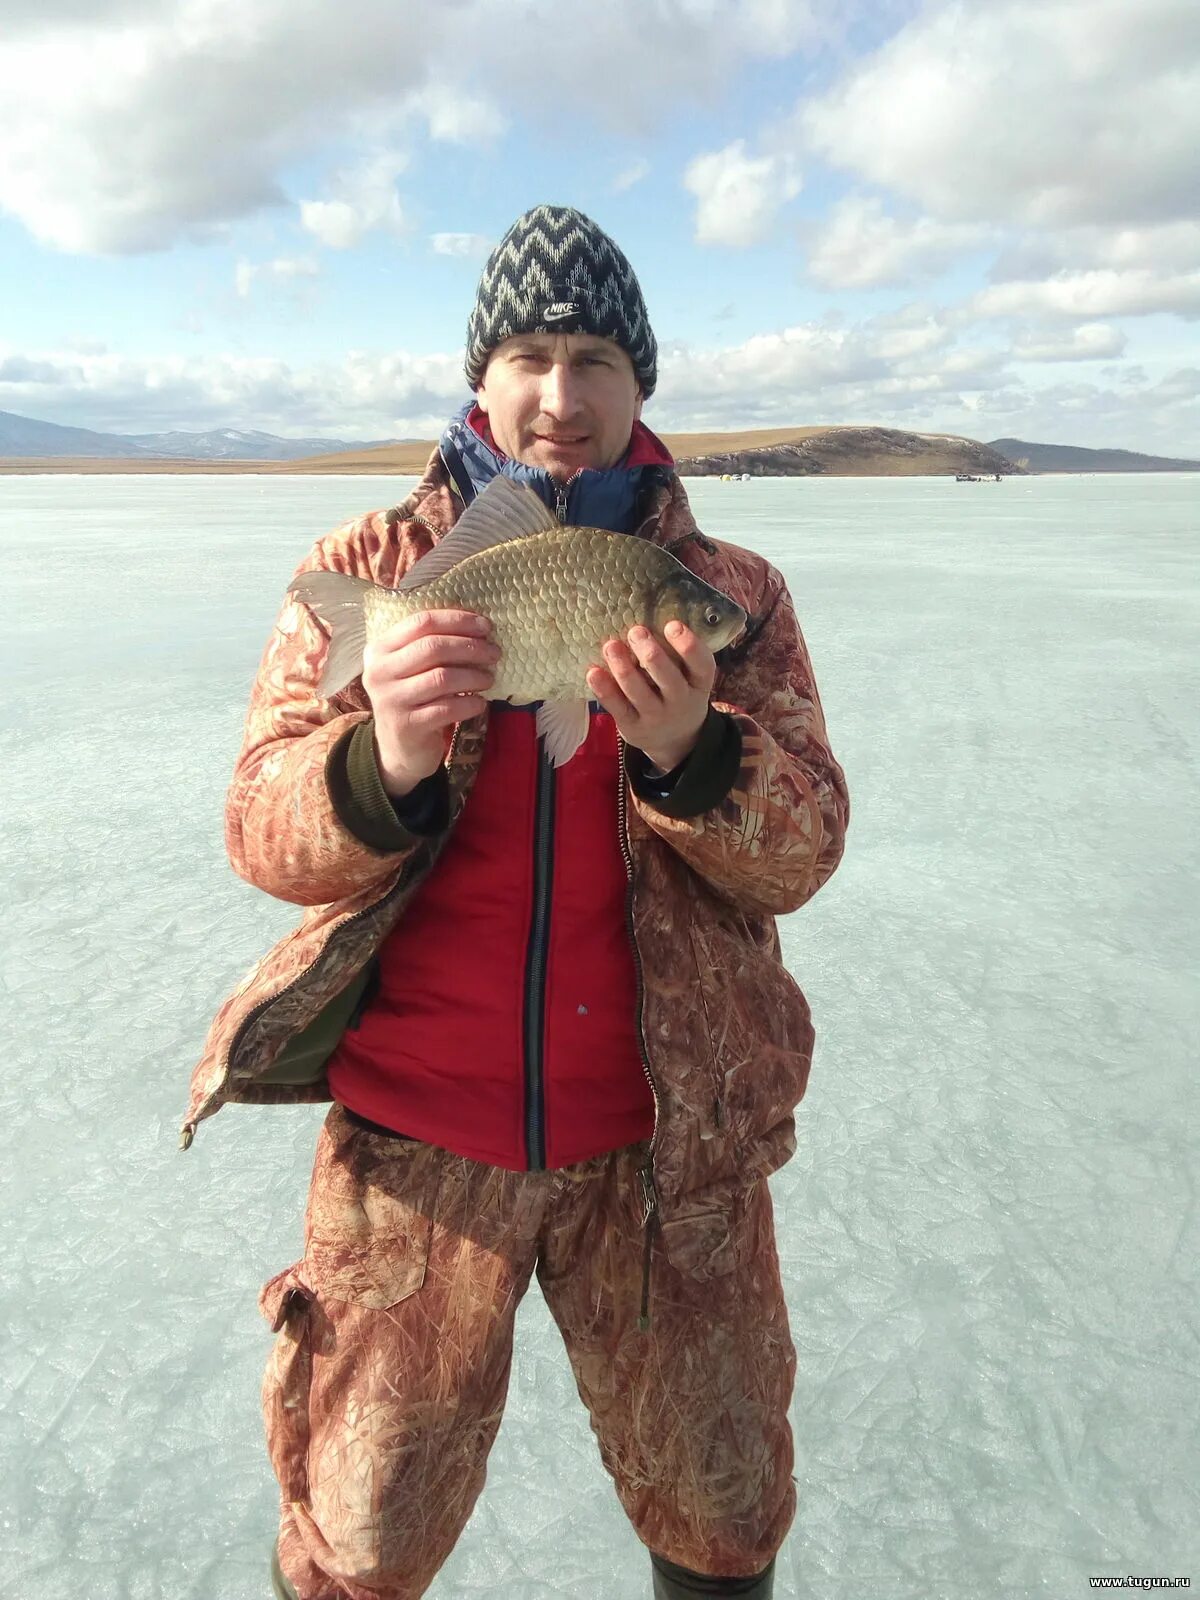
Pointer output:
x,y
189,1128
561,492
650,1212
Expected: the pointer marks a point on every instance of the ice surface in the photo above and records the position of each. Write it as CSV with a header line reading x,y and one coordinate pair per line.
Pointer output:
x,y
989,1233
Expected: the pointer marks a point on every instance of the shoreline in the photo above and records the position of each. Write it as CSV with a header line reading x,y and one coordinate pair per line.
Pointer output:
x,y
810,452
269,469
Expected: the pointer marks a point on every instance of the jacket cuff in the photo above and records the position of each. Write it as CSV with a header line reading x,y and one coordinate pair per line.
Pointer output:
x,y
364,806
701,781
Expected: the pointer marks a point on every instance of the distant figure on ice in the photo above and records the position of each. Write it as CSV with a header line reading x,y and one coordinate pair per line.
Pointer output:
x,y
547,1002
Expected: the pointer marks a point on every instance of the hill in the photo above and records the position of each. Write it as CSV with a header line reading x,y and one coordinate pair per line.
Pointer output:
x,y
762,452
846,452
1073,458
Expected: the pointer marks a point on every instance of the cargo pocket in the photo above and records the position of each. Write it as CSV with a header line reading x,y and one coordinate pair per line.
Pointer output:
x,y
701,1234
285,1302
370,1222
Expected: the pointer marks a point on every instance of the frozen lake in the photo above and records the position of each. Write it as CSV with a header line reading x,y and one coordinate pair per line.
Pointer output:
x,y
989,1233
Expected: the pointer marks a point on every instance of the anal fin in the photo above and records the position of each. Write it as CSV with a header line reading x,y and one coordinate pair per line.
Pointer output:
x,y
563,725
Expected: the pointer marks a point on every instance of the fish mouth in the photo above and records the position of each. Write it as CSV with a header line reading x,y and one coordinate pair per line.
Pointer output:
x,y
734,633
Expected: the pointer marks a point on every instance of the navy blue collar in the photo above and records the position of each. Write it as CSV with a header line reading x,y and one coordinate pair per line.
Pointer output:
x,y
606,497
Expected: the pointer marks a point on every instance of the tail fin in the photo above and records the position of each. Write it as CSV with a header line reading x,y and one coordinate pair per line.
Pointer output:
x,y
337,599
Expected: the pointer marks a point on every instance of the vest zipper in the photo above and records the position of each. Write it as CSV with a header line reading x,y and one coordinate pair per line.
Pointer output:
x,y
535,965
650,1212
534,1013
539,935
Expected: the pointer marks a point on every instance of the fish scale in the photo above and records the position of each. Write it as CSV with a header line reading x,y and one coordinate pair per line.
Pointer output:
x,y
553,599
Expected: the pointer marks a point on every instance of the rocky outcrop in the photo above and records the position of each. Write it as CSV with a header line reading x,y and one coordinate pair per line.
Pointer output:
x,y
856,452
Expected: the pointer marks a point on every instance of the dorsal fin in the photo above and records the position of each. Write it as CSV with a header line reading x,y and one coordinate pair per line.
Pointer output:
x,y
505,510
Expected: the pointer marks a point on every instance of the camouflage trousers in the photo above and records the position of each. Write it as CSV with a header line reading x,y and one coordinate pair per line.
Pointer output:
x,y
385,1386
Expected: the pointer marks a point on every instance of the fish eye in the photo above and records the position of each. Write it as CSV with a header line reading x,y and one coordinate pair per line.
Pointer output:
x,y
712,616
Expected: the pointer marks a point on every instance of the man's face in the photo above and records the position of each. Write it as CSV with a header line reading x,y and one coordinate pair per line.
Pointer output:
x,y
560,400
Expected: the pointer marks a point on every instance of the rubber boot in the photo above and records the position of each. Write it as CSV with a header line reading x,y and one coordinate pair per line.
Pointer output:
x,y
282,1588
680,1583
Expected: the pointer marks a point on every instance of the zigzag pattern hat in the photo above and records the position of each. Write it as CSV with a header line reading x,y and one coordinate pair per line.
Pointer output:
x,y
555,271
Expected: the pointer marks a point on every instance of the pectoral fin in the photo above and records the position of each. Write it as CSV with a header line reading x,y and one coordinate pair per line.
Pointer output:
x,y
563,725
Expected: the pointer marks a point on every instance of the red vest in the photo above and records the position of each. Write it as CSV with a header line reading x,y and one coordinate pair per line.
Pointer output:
x,y
504,1028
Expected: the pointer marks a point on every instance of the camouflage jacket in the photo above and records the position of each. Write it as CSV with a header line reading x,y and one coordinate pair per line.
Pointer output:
x,y
726,1029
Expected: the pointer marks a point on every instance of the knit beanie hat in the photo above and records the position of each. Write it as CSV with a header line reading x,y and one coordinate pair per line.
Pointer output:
x,y
555,271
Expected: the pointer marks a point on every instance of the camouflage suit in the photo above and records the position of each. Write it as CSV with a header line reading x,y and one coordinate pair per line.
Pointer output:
x,y
385,1385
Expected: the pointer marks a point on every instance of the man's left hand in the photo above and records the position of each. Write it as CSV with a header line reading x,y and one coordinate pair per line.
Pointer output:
x,y
657,696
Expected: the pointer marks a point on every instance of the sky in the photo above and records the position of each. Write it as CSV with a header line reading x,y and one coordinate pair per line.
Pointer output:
x,y
979,217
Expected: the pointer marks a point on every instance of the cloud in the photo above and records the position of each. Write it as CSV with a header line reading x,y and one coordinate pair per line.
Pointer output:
x,y
1090,341
801,373
1042,112
454,116
912,331
125,128
464,246
1183,384
283,269
738,195
35,16
334,222
1148,418
1165,247
882,370
778,27
391,394
127,138
862,247
1102,293
1126,372
630,175
21,370
914,368
364,199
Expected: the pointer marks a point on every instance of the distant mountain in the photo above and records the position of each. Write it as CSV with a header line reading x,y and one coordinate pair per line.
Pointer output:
x,y
23,436
26,436
1071,458
231,444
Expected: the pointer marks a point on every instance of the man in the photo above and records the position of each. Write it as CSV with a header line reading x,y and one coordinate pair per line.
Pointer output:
x,y
548,1004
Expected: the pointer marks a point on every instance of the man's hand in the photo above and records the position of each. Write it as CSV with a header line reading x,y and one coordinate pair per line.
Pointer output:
x,y
656,694
421,677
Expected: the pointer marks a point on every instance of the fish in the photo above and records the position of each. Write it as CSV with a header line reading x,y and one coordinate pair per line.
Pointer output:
x,y
553,592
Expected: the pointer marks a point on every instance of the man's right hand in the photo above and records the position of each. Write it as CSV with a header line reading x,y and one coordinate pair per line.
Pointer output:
x,y
421,677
